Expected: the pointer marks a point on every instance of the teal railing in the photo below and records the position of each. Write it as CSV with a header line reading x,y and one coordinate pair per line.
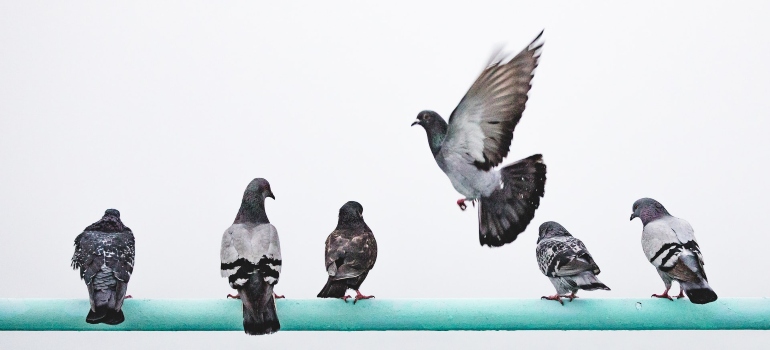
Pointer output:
x,y
398,314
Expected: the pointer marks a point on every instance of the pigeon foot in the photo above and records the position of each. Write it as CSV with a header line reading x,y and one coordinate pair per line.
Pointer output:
x,y
128,297
571,296
230,296
663,295
276,296
461,204
360,296
556,297
681,294
345,298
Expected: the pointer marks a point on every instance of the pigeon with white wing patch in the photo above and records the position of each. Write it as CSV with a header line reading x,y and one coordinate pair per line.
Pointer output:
x,y
565,260
478,137
669,244
251,260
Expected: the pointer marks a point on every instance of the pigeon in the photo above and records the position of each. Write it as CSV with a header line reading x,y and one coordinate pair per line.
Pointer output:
x,y
251,260
104,253
478,137
669,244
351,251
566,262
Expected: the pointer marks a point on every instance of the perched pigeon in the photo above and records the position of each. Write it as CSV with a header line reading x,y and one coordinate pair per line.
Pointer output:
x,y
350,253
669,244
251,260
477,139
566,262
104,253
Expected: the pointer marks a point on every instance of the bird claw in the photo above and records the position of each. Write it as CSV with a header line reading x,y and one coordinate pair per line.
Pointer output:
x,y
571,296
681,294
345,298
128,297
230,296
360,296
276,296
556,297
461,204
661,296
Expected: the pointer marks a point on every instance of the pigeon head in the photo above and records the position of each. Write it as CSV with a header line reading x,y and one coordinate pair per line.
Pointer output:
x,y
109,223
351,213
648,209
550,229
253,204
259,188
434,126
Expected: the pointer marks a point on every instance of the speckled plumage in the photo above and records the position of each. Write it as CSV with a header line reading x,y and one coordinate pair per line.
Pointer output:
x,y
478,137
104,253
565,260
350,253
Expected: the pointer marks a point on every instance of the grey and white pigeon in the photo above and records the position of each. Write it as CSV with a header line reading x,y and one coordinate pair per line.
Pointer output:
x,y
478,137
566,262
669,244
251,260
104,253
351,251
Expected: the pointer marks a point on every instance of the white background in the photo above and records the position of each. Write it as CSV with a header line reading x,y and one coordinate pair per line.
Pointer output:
x,y
166,111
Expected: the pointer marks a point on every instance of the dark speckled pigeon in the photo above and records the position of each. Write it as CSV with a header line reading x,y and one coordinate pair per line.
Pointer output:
x,y
478,137
251,259
351,251
669,244
104,253
566,262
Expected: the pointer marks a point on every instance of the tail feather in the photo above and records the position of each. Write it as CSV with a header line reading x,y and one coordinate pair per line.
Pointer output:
x,y
700,295
106,304
259,313
588,281
333,289
508,210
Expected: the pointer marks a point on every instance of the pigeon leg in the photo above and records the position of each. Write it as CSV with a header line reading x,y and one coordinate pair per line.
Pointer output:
x,y
571,296
556,297
360,296
128,297
681,293
345,298
230,296
663,295
276,296
461,203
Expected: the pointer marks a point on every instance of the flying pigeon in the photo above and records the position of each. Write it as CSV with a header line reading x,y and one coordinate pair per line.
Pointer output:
x,y
669,244
104,253
477,139
351,251
566,262
251,260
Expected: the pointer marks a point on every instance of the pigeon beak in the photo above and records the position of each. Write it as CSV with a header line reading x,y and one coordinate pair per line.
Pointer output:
x,y
271,195
416,121
633,216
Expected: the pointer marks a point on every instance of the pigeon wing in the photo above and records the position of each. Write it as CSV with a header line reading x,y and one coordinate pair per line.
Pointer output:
x,y
564,256
482,124
350,253
247,249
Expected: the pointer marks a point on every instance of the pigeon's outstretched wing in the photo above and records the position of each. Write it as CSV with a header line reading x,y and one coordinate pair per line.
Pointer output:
x,y
482,124
350,254
564,256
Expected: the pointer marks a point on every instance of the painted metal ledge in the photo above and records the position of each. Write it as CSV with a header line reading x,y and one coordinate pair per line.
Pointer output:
x,y
398,314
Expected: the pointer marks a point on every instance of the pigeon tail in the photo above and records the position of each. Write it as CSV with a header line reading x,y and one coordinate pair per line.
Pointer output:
x,y
259,314
699,295
105,315
588,281
333,288
507,211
